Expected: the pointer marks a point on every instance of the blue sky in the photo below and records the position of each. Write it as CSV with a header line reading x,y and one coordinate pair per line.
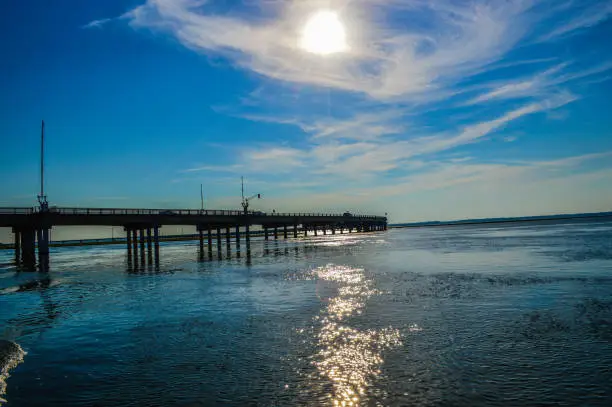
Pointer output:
x,y
435,110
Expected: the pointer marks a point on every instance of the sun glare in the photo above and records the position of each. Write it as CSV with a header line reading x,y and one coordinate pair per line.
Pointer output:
x,y
324,34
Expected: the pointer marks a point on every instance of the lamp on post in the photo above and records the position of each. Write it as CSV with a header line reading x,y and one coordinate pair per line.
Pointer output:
x,y
245,201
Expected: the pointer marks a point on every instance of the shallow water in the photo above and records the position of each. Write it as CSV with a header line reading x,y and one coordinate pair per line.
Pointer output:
x,y
466,315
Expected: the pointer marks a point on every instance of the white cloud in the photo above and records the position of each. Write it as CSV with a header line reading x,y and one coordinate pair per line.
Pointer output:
x,y
581,19
537,85
383,62
353,158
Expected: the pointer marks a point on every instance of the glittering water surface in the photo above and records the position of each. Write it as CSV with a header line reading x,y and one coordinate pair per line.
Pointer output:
x,y
490,315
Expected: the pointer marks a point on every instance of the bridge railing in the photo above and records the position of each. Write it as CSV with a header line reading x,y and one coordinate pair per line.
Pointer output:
x,y
184,212
124,211
17,211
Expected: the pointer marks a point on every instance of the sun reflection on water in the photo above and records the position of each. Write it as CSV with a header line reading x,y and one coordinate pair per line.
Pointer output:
x,y
350,358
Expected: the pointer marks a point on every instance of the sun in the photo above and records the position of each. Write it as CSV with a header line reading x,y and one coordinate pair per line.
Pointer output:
x,y
324,34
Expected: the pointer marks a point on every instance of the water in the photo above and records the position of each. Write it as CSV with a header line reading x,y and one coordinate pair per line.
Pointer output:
x,y
463,316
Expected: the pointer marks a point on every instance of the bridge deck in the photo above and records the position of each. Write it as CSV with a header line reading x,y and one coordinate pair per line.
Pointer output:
x,y
31,217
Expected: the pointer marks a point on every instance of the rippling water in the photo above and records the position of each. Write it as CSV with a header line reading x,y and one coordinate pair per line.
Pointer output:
x,y
490,315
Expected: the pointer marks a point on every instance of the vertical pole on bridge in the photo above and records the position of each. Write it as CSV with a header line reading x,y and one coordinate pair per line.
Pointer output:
x,y
333,228
142,246
201,236
295,231
156,243
219,241
275,232
266,232
128,239
142,240
209,242
237,241
228,234
28,254
248,244
17,246
43,242
149,242
149,247
315,230
135,241
43,250
285,231
39,238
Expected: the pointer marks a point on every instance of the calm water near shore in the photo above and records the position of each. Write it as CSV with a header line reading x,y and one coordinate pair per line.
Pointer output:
x,y
490,315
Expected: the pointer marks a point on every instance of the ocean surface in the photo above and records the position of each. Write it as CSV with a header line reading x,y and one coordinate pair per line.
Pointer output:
x,y
488,315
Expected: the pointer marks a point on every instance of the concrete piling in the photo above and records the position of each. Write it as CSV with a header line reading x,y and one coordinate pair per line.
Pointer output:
x,y
149,241
17,246
228,235
209,242
28,254
238,238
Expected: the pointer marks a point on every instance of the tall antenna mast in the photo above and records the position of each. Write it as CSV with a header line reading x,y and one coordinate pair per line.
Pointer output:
x,y
42,199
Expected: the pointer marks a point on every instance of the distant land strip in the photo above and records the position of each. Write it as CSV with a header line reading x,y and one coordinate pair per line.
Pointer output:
x,y
581,216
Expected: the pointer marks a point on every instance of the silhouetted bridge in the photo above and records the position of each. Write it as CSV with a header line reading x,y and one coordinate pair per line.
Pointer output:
x,y
31,226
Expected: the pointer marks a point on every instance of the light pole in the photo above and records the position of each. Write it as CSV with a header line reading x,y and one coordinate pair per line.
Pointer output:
x,y
42,198
245,201
201,198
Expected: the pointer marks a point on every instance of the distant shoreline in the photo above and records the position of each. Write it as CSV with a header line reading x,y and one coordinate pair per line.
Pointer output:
x,y
586,216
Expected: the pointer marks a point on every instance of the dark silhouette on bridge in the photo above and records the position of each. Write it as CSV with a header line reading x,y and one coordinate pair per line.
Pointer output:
x,y
31,226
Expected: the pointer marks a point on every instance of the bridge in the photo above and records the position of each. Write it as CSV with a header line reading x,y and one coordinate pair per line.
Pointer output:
x,y
31,226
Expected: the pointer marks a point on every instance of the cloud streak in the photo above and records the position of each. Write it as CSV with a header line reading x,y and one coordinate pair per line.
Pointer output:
x,y
97,23
582,19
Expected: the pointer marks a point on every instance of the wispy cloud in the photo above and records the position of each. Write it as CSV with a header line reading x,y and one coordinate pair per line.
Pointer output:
x,y
581,19
97,23
352,148
216,168
383,62
538,85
